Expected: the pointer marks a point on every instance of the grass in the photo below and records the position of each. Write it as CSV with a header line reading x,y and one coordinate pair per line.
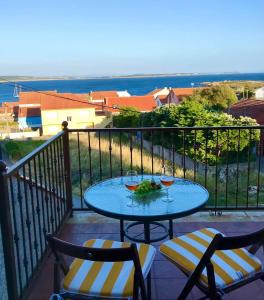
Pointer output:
x,y
18,149
230,192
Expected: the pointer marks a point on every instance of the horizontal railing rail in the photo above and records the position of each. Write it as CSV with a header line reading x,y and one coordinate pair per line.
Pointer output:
x,y
166,128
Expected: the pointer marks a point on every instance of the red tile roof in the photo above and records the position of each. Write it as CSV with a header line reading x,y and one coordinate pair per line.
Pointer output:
x,y
141,103
183,92
32,97
249,108
64,101
180,92
101,95
52,100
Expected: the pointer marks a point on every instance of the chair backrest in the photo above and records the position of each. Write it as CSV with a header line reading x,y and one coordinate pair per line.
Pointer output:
x,y
235,242
220,242
60,248
89,253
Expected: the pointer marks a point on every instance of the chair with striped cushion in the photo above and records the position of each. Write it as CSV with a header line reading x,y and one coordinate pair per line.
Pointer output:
x,y
101,269
214,263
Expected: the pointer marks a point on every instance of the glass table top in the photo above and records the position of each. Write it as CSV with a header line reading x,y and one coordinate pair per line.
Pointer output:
x,y
110,198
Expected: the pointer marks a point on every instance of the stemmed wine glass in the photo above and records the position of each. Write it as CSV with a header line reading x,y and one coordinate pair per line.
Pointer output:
x,y
131,183
167,180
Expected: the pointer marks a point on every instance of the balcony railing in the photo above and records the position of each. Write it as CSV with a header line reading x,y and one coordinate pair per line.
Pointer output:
x,y
41,190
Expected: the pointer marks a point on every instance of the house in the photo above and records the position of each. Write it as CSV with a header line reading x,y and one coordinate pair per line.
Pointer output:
x,y
184,92
171,95
29,109
259,93
159,92
170,98
9,108
73,108
47,110
29,116
250,108
99,97
141,103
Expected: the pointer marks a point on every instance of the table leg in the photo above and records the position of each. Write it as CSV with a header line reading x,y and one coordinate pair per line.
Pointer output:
x,y
171,229
147,240
122,230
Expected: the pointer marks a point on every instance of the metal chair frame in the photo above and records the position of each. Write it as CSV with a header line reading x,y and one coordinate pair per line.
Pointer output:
x,y
60,248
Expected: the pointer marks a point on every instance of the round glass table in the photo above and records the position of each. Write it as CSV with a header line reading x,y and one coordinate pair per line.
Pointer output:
x,y
110,198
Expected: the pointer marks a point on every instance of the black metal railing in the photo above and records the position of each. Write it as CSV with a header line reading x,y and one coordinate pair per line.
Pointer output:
x,y
46,186
34,201
228,161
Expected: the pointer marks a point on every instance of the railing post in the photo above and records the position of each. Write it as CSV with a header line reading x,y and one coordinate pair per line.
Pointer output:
x,y
67,166
7,236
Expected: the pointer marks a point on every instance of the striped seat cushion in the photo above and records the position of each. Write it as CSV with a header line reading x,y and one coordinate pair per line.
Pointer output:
x,y
229,265
106,279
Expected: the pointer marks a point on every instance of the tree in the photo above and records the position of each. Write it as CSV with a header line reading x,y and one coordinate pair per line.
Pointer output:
x,y
209,144
217,98
128,117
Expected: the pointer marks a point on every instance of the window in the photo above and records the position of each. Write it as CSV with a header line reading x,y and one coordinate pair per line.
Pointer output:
x,y
69,118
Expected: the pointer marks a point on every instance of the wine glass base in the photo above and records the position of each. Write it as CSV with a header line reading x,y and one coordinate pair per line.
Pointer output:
x,y
132,204
168,200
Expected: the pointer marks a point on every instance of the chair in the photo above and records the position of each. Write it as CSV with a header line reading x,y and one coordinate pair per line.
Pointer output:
x,y
214,263
101,268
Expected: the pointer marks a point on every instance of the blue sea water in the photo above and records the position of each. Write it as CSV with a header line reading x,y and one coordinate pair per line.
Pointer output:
x,y
135,86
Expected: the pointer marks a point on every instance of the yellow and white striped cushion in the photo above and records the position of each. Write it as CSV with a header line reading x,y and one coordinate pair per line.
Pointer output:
x,y
229,265
106,279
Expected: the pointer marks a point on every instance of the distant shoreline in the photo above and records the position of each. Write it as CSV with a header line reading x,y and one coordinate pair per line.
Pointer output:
x,y
28,78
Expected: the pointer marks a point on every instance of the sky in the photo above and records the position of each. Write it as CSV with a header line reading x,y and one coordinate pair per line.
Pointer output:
x,y
114,37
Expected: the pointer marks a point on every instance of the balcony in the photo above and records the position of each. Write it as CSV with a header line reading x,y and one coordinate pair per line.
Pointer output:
x,y
43,192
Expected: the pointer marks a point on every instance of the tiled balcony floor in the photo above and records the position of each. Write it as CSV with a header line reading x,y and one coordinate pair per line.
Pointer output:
x,y
167,280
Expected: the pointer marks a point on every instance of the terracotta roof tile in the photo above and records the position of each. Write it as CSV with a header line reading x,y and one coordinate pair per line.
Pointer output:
x,y
249,108
52,100
183,92
141,103
101,95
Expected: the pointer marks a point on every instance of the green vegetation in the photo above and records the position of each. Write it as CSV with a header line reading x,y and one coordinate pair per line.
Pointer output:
x,y
19,149
217,98
211,146
243,89
236,85
129,117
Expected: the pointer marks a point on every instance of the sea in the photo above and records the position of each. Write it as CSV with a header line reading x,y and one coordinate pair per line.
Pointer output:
x,y
135,86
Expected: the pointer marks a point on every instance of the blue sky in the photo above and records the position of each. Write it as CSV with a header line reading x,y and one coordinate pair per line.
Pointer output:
x,y
104,37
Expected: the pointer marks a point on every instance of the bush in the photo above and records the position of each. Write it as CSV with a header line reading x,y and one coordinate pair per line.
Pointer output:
x,y
217,98
209,143
128,117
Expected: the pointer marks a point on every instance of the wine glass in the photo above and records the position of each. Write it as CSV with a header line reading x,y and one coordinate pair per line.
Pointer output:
x,y
131,183
167,179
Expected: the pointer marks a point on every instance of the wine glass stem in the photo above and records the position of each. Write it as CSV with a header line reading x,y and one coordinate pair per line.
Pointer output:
x,y
131,198
167,189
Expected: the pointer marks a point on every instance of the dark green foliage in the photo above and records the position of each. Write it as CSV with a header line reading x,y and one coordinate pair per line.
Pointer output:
x,y
209,144
129,117
217,98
